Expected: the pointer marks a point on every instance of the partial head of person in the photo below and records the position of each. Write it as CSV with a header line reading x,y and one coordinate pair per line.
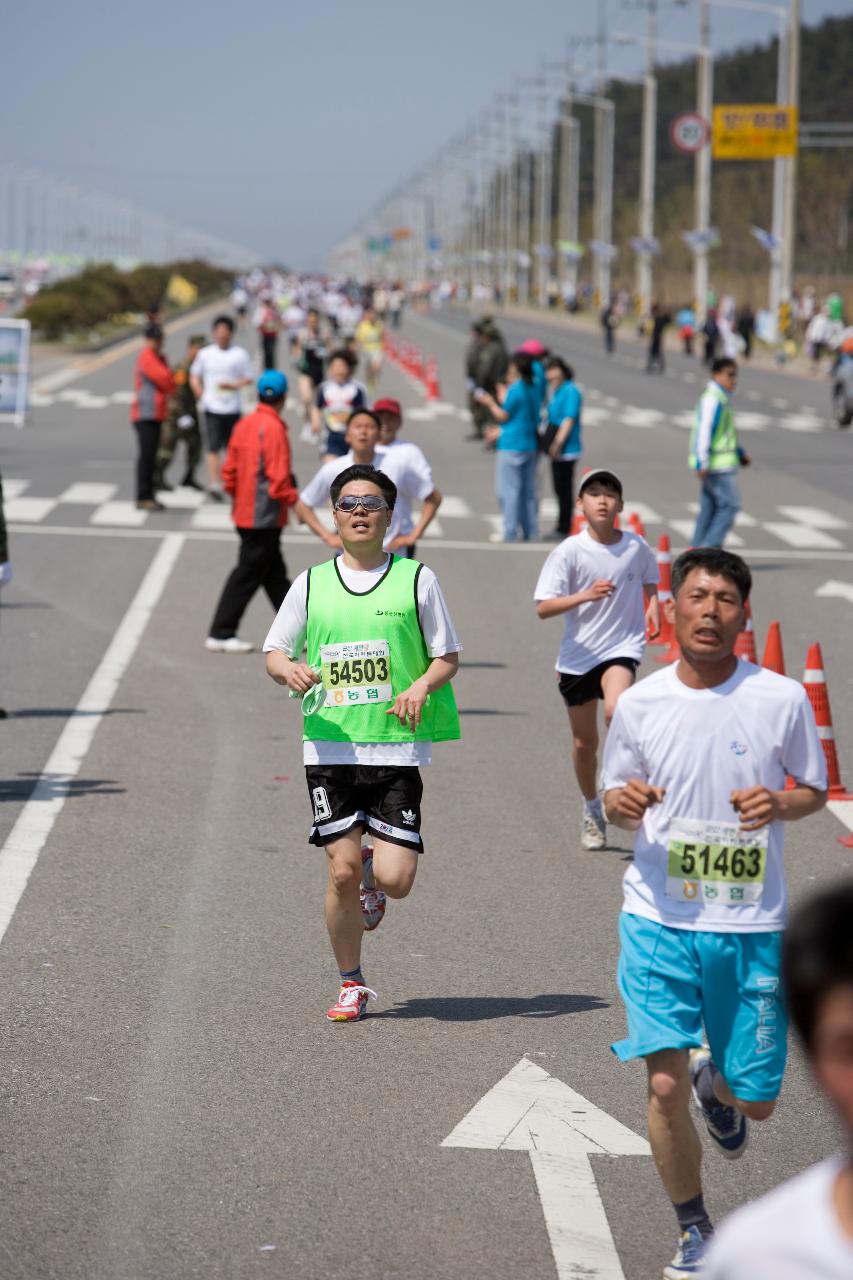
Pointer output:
x,y
390,414
272,389
364,428
341,365
817,968
154,336
534,348
710,590
223,331
600,497
557,372
195,342
520,368
363,502
724,371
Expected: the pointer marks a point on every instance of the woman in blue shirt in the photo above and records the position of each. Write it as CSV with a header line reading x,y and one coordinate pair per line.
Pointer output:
x,y
564,413
517,449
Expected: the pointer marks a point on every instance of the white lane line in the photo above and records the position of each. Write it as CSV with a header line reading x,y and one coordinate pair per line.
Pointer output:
x,y
120,513
686,527
27,509
805,422
14,488
214,517
29,835
88,494
800,535
446,544
841,590
817,517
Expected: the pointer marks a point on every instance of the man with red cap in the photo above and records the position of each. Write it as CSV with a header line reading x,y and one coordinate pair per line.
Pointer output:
x,y
390,414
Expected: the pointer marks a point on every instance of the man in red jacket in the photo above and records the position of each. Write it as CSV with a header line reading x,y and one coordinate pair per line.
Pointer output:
x,y
257,474
153,385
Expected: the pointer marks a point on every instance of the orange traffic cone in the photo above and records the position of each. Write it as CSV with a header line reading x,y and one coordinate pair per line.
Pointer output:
x,y
578,523
636,524
433,386
745,643
774,658
666,637
815,683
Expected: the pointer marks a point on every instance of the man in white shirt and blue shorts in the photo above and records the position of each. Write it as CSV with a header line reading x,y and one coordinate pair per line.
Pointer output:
x,y
696,763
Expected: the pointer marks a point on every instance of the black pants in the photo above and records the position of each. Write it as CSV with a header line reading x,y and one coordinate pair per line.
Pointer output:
x,y
563,476
260,565
269,342
148,437
655,358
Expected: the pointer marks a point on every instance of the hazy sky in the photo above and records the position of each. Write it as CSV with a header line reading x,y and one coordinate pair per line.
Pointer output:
x,y
276,124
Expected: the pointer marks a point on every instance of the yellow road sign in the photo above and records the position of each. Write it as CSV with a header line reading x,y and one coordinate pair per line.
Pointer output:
x,y
750,131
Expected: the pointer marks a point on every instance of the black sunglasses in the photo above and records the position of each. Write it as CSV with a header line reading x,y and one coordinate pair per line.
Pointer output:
x,y
352,501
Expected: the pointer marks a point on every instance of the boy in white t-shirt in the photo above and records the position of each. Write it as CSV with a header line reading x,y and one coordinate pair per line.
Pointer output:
x,y
804,1229
695,763
605,581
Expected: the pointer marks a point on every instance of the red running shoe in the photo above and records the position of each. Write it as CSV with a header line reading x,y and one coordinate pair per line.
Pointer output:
x,y
351,1004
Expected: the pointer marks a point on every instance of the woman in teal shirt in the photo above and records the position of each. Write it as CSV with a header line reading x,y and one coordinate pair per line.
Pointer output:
x,y
517,444
564,413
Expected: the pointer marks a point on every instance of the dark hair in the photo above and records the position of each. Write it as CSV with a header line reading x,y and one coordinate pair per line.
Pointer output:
x,y
343,354
224,320
722,363
360,471
714,560
818,955
354,413
153,331
557,362
524,364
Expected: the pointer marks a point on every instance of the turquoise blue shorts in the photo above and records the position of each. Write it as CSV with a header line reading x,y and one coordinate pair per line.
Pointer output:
x,y
675,982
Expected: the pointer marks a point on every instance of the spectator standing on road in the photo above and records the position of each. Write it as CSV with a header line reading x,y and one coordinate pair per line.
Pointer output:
x,y
181,424
660,318
686,321
257,473
746,328
715,455
609,325
711,334
217,376
267,321
804,1229
695,763
517,444
153,385
485,367
562,437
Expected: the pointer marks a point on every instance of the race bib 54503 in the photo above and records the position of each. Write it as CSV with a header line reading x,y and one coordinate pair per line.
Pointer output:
x,y
357,671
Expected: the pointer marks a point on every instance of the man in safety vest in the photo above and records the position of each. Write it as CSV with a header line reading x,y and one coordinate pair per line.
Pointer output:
x,y
381,645
716,455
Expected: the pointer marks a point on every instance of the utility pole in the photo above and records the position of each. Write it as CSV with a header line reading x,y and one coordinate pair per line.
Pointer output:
x,y
702,163
543,167
791,163
647,163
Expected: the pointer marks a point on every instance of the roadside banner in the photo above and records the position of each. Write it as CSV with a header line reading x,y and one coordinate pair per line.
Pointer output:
x,y
14,370
754,131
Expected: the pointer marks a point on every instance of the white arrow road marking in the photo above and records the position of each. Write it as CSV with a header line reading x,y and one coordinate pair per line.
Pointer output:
x,y
532,1111
844,590
843,810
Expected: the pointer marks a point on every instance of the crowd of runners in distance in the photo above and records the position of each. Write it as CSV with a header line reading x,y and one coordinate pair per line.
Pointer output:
x,y
704,763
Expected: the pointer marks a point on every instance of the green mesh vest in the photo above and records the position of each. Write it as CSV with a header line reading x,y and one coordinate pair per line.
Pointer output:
x,y
370,647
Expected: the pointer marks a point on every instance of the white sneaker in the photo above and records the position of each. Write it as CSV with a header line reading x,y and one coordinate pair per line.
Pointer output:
x,y
593,831
232,645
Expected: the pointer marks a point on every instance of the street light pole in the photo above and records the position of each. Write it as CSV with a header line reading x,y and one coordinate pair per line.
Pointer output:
x,y
647,164
791,163
702,163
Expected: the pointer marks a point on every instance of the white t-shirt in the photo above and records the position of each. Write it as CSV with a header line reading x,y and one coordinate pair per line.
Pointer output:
x,y
287,634
212,366
411,475
613,627
793,1233
700,745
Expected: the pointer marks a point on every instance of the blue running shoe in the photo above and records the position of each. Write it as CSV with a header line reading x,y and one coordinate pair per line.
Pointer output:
x,y
726,1125
689,1257
372,899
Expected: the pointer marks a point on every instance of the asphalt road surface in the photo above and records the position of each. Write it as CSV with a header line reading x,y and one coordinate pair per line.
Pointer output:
x,y
175,1104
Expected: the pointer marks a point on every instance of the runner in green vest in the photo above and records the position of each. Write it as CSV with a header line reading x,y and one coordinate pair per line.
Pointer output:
x,y
715,456
379,640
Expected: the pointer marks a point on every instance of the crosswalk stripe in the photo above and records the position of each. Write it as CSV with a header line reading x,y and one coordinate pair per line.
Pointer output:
x,y
88,494
453,508
213,518
816,517
28,510
686,527
14,488
123,514
802,536
181,499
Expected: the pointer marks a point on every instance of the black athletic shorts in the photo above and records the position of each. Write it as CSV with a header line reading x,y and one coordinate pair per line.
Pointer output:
x,y
586,688
218,428
382,799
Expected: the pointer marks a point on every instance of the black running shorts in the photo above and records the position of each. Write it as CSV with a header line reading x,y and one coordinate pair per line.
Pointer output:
x,y
577,690
384,800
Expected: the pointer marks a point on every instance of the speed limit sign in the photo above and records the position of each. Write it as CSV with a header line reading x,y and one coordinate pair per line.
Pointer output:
x,y
689,132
